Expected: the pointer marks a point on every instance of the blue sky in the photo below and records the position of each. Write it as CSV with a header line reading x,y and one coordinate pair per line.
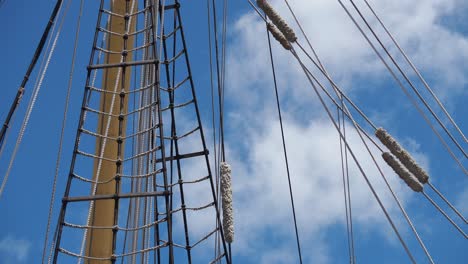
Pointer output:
x,y
434,33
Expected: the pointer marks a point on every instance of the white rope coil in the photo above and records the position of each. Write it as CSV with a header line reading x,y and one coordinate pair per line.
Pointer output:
x,y
404,174
279,36
226,196
402,155
287,31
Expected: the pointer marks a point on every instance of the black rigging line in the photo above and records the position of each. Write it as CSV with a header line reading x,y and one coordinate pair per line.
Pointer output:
x,y
408,80
405,91
213,121
348,114
62,134
359,130
33,62
344,158
416,71
221,123
310,77
284,145
445,215
223,83
345,178
447,202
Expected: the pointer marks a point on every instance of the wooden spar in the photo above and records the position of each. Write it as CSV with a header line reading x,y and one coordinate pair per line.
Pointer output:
x,y
99,242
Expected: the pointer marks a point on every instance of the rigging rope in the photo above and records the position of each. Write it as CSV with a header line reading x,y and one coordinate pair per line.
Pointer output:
x,y
418,73
344,165
213,118
220,155
33,101
445,215
62,133
376,196
418,108
278,106
32,64
409,81
359,130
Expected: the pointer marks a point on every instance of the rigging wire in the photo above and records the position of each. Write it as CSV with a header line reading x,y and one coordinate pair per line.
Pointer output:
x,y
371,187
346,189
344,165
320,68
418,73
220,74
223,86
447,202
380,171
376,196
278,106
31,66
405,214
445,215
408,80
406,91
62,133
33,100
213,120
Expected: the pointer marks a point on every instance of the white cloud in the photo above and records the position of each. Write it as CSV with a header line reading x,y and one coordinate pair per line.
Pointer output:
x,y
13,248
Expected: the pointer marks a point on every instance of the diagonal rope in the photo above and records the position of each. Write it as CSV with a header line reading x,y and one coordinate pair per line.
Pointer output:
x,y
436,117
418,73
360,131
62,133
418,108
278,106
50,25
33,101
343,151
376,196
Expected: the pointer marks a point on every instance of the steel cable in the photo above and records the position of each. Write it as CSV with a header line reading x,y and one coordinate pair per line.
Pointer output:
x,y
408,80
33,101
62,133
278,106
418,73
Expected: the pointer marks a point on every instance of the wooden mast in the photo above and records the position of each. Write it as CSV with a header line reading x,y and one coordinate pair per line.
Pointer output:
x,y
99,242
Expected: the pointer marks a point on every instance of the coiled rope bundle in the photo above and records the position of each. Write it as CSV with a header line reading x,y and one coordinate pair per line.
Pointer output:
x,y
279,22
279,36
402,155
404,174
